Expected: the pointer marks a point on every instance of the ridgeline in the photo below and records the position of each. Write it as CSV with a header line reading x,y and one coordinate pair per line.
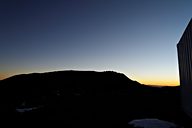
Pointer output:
x,y
85,97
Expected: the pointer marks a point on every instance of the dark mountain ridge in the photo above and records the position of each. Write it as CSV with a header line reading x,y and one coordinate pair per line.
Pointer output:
x,y
85,96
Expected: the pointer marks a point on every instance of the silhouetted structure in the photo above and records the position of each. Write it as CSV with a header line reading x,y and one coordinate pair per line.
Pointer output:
x,y
184,48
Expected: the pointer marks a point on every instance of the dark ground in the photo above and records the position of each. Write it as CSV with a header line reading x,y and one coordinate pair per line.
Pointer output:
x,y
86,97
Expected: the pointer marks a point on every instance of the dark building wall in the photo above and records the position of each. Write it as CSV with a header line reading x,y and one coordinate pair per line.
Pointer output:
x,y
184,48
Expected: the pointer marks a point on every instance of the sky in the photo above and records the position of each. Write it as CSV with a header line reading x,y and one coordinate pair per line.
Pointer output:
x,y
134,37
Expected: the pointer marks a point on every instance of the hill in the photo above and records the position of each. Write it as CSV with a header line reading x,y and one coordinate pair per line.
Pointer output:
x,y
85,97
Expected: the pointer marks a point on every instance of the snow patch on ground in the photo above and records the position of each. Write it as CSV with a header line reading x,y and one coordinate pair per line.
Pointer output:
x,y
21,110
152,123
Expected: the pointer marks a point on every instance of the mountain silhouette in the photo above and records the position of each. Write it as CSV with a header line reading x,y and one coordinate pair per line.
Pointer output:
x,y
83,97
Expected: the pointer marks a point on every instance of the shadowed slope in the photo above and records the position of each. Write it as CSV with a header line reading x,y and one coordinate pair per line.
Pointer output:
x,y
84,96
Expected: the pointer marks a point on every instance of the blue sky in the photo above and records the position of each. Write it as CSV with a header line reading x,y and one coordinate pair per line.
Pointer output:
x,y
135,37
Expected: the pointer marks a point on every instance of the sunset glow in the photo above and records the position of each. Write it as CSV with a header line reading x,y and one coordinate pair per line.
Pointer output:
x,y
134,37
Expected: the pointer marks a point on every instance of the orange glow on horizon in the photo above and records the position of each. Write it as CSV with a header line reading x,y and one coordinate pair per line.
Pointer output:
x,y
160,82
146,81
4,76
156,79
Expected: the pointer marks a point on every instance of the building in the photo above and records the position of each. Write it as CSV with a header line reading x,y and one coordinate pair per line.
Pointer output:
x,y
184,49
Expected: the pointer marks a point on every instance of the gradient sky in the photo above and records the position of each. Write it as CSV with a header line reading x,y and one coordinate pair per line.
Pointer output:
x,y
134,37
